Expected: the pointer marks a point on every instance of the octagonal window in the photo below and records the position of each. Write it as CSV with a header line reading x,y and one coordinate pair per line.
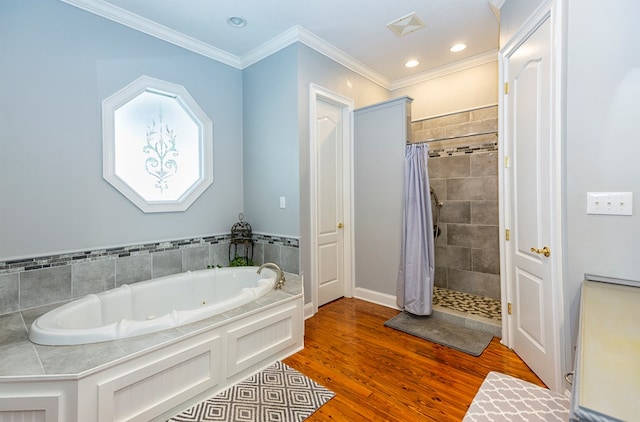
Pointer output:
x,y
157,144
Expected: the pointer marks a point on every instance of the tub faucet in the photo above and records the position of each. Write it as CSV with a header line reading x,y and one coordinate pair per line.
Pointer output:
x,y
279,275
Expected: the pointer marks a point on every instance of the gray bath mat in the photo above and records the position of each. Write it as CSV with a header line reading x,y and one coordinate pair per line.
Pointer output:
x,y
277,393
442,332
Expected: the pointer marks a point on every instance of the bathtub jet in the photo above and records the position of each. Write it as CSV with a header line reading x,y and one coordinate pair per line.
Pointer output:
x,y
153,305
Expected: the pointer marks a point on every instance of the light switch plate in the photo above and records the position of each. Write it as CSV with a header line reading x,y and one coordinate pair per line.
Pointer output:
x,y
610,203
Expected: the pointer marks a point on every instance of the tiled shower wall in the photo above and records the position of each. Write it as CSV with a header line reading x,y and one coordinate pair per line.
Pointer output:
x,y
463,171
39,281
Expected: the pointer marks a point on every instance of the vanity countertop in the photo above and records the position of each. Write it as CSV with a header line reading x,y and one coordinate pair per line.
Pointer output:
x,y
607,379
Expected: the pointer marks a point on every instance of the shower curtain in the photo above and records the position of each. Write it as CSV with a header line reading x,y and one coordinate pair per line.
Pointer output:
x,y
417,261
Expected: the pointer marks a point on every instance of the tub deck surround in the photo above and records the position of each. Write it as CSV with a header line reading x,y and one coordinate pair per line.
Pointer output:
x,y
147,377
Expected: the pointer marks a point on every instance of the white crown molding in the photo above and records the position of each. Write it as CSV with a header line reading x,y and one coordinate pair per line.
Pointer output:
x,y
124,17
478,60
270,47
313,41
496,5
293,35
299,34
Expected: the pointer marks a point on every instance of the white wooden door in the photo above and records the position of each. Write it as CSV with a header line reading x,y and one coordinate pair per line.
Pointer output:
x,y
330,131
534,322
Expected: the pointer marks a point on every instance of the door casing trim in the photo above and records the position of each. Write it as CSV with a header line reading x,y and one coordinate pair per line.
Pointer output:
x,y
316,93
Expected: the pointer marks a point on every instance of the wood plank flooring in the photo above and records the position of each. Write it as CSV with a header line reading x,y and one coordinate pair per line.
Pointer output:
x,y
381,374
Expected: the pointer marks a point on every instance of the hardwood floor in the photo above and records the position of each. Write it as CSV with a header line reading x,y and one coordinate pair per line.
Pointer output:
x,y
381,374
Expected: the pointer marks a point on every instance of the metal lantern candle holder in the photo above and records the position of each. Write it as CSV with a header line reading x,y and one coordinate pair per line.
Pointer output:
x,y
241,243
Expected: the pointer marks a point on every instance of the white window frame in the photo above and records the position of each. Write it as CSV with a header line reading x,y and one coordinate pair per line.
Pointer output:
x,y
204,179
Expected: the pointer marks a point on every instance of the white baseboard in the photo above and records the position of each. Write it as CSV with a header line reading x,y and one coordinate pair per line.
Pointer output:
x,y
308,310
383,299
364,294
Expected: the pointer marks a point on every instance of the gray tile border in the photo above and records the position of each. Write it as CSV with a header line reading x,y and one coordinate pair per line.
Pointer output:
x,y
50,261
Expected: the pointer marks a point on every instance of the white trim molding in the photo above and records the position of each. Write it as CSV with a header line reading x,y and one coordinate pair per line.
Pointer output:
x,y
294,34
372,296
317,93
144,25
437,72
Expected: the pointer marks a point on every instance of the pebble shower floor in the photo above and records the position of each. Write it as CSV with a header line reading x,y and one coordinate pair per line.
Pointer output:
x,y
468,303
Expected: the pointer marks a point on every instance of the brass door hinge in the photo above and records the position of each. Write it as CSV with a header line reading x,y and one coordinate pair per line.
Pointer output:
x,y
506,161
509,308
506,87
507,234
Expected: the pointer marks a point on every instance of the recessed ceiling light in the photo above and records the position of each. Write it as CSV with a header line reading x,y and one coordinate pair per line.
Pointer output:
x,y
236,22
412,63
458,47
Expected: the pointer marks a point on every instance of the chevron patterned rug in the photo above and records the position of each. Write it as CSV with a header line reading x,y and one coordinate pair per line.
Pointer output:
x,y
277,393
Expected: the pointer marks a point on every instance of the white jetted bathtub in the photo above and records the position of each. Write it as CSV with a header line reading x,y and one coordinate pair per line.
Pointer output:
x,y
152,305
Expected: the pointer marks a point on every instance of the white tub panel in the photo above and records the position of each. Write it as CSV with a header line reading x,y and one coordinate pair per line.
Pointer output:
x,y
250,342
37,409
144,393
46,401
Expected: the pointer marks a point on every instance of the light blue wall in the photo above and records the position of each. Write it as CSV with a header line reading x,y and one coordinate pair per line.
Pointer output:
x,y
316,68
270,113
58,64
276,137
602,143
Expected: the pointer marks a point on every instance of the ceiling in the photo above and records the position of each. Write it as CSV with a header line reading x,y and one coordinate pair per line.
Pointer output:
x,y
353,31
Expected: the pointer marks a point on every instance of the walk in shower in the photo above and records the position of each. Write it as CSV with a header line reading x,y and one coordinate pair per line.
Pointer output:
x,y
463,172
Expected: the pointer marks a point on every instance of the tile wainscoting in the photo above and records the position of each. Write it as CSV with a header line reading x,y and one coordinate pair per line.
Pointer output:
x,y
33,282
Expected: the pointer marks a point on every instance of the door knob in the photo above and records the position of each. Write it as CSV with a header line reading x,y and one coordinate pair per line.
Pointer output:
x,y
544,251
340,225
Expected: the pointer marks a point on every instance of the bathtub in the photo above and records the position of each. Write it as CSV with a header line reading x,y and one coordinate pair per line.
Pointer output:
x,y
149,306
